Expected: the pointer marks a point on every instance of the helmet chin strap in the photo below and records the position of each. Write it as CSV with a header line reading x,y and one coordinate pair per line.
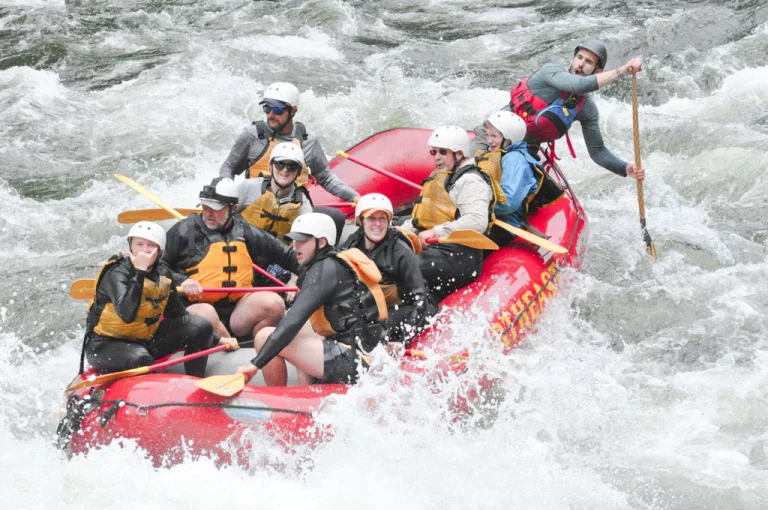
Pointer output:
x,y
456,161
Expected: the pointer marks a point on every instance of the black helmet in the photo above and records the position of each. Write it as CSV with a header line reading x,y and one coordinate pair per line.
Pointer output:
x,y
596,47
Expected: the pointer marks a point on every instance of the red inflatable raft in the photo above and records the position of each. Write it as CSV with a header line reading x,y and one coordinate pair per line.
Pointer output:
x,y
171,419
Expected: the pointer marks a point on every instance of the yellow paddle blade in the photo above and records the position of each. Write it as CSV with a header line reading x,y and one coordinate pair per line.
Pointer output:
x,y
469,238
82,289
531,238
107,378
223,385
141,189
128,217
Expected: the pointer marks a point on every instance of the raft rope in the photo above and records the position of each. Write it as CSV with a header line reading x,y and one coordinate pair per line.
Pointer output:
x,y
79,407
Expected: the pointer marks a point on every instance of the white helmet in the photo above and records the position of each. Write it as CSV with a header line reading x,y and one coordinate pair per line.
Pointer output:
x,y
373,202
149,231
281,94
287,151
317,225
453,138
219,194
509,125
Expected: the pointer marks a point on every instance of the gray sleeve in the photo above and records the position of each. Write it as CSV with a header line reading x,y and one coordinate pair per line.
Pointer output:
x,y
247,192
478,142
306,205
473,199
318,164
589,117
237,161
555,77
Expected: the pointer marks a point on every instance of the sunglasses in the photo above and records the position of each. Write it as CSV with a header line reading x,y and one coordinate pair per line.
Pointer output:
x,y
443,152
269,109
291,166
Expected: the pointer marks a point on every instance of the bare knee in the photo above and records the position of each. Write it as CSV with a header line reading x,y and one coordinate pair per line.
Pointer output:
x,y
261,337
274,307
204,310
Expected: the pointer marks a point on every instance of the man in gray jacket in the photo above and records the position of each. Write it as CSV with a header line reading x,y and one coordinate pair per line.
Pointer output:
x,y
252,149
554,97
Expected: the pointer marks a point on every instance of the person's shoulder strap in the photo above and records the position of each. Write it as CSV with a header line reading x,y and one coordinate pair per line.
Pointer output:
x,y
301,132
261,129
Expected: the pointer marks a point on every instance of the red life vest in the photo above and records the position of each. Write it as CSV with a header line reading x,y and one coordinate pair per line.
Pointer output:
x,y
545,122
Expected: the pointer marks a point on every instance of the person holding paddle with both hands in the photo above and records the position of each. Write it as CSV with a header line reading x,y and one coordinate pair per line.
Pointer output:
x,y
134,291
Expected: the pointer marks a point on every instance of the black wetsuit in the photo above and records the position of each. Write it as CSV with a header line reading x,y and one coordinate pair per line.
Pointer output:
x,y
350,309
399,266
188,242
121,284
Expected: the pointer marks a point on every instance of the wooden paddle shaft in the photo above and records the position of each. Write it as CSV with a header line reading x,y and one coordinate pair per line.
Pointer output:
x,y
636,136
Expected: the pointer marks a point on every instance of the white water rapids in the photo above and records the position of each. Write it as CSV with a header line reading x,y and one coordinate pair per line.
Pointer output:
x,y
645,385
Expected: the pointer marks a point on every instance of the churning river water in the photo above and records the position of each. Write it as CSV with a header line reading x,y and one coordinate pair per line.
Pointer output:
x,y
645,385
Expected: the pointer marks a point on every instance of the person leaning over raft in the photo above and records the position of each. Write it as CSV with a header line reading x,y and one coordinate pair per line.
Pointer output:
x,y
216,248
553,97
456,195
134,290
394,252
252,150
340,296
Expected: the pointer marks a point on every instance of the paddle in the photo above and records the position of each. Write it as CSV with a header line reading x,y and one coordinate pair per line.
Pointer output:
x,y
228,385
640,201
378,170
532,238
84,289
141,189
470,238
107,378
223,385
137,215
166,209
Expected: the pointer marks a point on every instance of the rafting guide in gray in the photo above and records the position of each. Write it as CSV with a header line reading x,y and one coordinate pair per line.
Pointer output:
x,y
551,99
251,152
342,300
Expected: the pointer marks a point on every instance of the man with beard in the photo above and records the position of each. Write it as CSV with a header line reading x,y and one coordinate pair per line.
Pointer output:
x,y
553,97
216,249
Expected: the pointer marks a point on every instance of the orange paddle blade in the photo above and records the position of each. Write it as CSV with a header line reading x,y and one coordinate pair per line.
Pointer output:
x,y
469,238
135,216
82,289
223,385
106,378
531,238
